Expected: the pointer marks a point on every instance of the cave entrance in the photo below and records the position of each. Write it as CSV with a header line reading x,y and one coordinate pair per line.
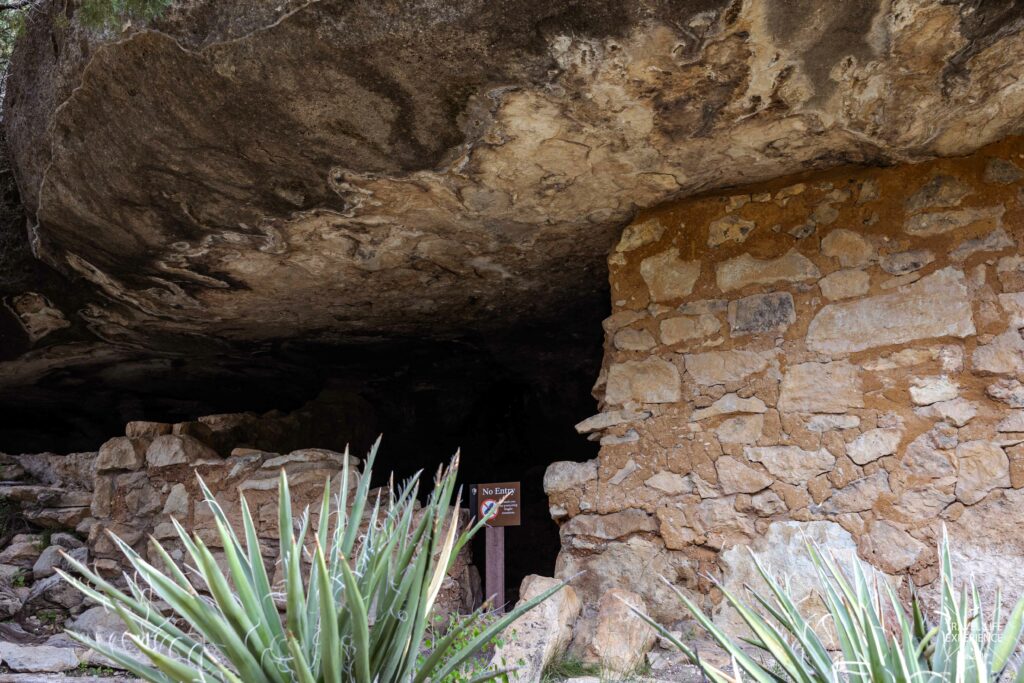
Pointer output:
x,y
510,407
509,399
508,429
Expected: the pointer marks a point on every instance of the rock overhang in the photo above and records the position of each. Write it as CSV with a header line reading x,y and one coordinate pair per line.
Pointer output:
x,y
244,173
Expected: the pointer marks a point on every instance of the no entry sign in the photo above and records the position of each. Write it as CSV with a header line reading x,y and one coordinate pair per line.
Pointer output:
x,y
501,499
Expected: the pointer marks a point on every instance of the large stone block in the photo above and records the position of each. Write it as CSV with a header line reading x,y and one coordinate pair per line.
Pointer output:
x,y
174,449
566,475
986,544
850,248
791,464
821,388
736,476
595,571
939,222
924,480
845,284
621,637
744,270
730,403
942,191
611,526
38,658
668,277
904,262
721,367
858,496
761,314
744,429
890,548
686,327
1004,355
938,305
873,444
982,467
652,380
122,453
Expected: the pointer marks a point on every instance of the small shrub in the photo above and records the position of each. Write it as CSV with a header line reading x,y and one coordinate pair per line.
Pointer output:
x,y
94,14
568,666
477,665
880,641
361,612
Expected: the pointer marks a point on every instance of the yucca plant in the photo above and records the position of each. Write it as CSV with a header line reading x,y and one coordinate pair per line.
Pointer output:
x,y
879,640
358,597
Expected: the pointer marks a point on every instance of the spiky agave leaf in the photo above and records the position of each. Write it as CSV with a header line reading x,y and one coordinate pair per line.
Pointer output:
x,y
880,642
357,600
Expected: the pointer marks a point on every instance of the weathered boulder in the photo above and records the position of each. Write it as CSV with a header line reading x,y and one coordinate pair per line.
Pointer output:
x,y
542,634
597,569
890,548
993,559
621,638
23,550
122,453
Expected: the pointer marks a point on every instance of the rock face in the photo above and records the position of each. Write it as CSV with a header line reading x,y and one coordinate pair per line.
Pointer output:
x,y
239,172
867,421
783,551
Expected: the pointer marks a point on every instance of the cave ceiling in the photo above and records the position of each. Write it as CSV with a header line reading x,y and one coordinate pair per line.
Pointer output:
x,y
246,174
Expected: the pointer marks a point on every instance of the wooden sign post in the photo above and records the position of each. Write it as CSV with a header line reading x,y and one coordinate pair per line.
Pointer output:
x,y
501,502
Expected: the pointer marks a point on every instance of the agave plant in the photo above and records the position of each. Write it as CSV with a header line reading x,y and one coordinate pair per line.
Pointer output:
x,y
879,640
358,598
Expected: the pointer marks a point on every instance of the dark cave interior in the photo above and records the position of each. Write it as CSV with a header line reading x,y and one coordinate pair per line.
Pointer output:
x,y
508,401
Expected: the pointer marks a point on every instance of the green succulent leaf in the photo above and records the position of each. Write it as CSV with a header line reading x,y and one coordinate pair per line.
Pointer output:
x,y
357,591
879,640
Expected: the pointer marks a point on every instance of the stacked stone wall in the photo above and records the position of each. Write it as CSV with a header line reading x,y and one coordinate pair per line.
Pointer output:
x,y
137,484
835,357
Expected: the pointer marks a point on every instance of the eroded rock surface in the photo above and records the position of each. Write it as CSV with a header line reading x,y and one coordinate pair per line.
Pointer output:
x,y
248,171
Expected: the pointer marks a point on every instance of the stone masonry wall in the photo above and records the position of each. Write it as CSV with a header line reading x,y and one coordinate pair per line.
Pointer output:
x,y
835,357
137,483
